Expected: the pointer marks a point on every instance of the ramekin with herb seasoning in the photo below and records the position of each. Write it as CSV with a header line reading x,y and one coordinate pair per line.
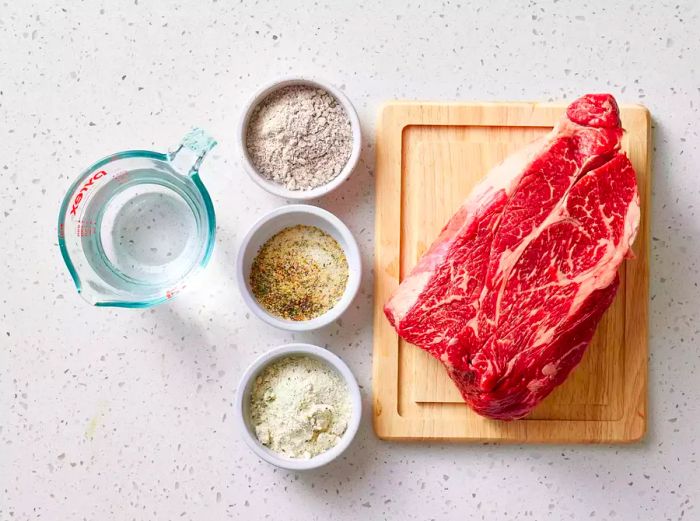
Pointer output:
x,y
298,268
300,273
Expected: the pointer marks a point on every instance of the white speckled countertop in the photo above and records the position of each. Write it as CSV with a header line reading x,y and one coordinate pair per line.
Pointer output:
x,y
123,414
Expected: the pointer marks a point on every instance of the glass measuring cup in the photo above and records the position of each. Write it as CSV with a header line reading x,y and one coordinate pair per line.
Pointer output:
x,y
136,226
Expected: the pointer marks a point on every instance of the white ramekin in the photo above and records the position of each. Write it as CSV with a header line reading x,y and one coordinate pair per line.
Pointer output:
x,y
275,221
281,190
242,406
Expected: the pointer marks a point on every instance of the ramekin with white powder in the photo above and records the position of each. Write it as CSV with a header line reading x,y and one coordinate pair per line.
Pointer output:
x,y
298,406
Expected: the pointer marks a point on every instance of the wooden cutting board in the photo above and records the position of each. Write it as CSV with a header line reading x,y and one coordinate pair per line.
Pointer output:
x,y
429,156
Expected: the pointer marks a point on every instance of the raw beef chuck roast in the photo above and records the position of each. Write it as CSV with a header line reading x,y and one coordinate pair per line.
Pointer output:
x,y
510,293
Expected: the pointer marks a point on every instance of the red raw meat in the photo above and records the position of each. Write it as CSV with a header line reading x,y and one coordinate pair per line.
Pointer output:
x,y
510,293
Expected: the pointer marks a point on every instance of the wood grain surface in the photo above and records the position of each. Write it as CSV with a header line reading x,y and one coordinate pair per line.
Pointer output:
x,y
429,157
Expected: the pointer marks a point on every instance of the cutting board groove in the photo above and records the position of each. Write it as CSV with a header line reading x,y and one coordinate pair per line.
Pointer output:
x,y
429,157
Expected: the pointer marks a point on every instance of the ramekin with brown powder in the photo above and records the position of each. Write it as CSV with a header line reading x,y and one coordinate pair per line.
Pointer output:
x,y
300,138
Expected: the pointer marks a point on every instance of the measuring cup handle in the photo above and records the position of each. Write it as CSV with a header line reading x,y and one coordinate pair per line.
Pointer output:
x,y
189,154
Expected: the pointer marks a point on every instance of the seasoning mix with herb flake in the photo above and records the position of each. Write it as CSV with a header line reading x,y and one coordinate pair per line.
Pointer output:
x,y
299,274
300,407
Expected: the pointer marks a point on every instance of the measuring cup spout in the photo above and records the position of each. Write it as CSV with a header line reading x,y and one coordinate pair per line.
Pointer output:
x,y
188,155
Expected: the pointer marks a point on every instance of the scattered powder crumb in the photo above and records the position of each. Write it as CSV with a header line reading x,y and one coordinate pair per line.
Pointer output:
x,y
300,137
300,407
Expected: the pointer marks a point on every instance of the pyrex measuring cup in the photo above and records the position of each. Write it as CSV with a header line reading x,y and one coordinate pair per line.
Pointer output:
x,y
137,225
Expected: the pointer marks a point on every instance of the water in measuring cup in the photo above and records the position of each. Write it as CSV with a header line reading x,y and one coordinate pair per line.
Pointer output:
x,y
146,232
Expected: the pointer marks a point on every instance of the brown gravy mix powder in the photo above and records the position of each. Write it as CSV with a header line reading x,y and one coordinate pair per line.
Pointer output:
x,y
300,137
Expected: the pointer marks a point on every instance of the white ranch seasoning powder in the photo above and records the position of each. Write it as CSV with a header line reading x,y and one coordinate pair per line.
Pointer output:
x,y
300,407
300,137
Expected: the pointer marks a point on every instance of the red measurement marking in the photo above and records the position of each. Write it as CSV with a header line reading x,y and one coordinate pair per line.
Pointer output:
x,y
172,292
62,231
85,228
84,189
